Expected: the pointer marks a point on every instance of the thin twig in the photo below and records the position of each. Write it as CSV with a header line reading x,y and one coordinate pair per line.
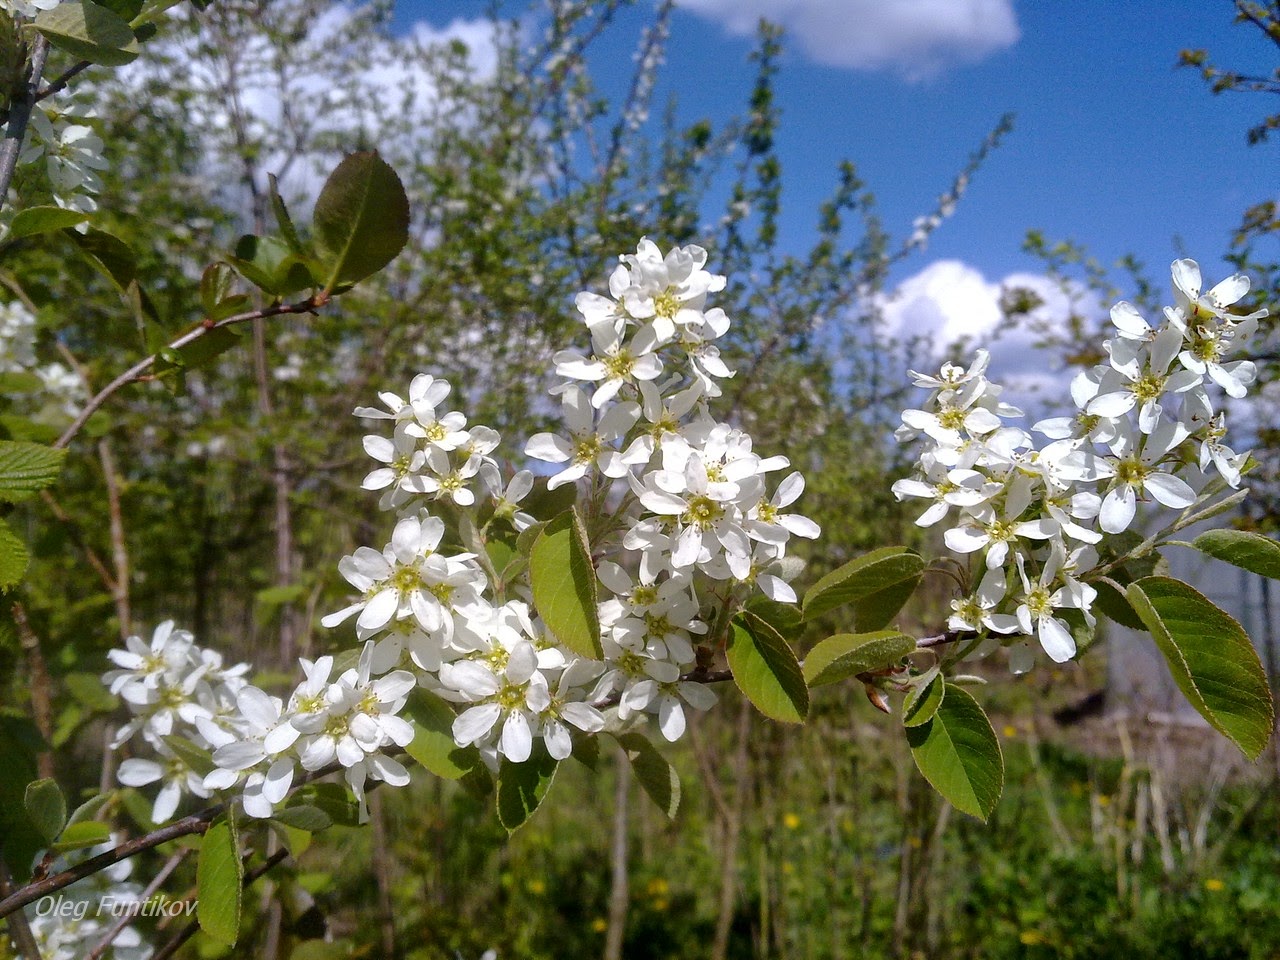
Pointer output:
x,y
19,929
139,369
195,823
129,916
60,84
16,132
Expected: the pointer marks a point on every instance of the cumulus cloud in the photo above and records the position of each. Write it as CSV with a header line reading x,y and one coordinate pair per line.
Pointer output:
x,y
953,306
916,38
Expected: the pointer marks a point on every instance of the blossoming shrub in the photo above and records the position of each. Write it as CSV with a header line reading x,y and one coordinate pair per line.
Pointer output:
x,y
510,620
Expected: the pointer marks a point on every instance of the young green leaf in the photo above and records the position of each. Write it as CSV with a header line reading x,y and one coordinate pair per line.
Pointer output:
x,y
46,808
283,220
657,776
108,254
35,220
361,218
1211,659
564,584
848,654
522,786
26,468
77,836
432,744
90,32
766,670
958,753
219,876
877,584
1252,551
14,558
303,816
923,700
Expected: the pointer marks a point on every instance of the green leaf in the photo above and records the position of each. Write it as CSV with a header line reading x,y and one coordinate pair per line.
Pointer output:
x,y
786,618
1252,551
14,558
107,252
90,32
86,833
268,263
218,298
125,9
433,745
283,220
923,700
958,753
35,220
564,584
303,817
522,786
26,468
361,218
766,670
46,808
88,690
333,799
848,654
1211,659
89,809
20,741
877,584
219,876
197,758
657,776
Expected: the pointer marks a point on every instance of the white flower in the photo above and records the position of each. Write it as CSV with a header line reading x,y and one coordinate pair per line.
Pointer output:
x,y
615,362
590,445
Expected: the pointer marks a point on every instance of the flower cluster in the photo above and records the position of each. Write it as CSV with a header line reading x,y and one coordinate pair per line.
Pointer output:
x,y
677,497
72,153
1145,427
213,730
51,392
681,515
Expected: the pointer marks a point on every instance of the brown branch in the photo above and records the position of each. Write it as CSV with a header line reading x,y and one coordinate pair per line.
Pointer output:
x,y
119,549
19,929
60,83
16,132
41,699
77,536
139,370
195,823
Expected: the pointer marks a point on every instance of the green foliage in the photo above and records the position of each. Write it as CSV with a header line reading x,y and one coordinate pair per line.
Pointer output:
x,y
563,581
78,836
89,31
219,875
1241,548
26,469
361,219
1211,659
523,786
877,584
958,753
43,219
46,808
923,699
849,654
766,670
432,744
656,775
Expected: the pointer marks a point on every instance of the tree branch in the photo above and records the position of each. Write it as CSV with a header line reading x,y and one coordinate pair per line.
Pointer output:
x,y
16,132
139,369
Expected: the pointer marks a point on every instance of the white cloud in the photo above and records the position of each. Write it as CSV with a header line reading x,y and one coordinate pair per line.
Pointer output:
x,y
917,38
951,303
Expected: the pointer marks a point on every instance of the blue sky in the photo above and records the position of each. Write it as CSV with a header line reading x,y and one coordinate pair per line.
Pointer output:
x,y
1112,145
